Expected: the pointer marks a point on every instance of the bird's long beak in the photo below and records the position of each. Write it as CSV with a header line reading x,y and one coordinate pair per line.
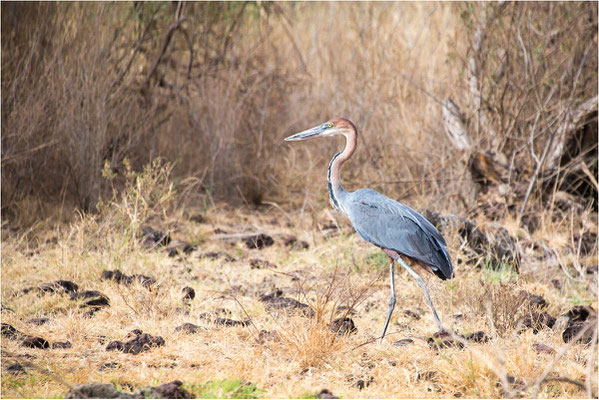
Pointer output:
x,y
310,133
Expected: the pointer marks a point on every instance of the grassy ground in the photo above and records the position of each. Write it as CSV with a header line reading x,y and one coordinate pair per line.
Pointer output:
x,y
304,356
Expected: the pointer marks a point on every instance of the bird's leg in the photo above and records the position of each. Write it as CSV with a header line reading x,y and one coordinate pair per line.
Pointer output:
x,y
423,287
391,299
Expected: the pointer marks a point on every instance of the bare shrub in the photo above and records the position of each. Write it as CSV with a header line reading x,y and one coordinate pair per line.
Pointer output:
x,y
214,87
531,84
65,116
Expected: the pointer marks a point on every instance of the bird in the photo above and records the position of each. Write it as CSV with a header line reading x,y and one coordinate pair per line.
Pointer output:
x,y
398,230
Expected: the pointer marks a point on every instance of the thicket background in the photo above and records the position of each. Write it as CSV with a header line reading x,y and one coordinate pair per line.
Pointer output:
x,y
215,87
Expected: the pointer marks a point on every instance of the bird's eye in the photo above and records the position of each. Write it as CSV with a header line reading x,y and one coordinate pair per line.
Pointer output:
x,y
329,124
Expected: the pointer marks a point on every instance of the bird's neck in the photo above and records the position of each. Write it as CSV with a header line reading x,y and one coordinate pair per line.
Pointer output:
x,y
336,191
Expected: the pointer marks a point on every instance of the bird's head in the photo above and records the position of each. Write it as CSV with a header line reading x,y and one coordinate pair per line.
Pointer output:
x,y
336,126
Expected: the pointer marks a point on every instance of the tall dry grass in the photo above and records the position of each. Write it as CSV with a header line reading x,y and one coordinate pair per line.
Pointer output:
x,y
234,79
214,87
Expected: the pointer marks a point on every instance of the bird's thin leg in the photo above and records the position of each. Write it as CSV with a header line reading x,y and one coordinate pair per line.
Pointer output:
x,y
391,299
423,287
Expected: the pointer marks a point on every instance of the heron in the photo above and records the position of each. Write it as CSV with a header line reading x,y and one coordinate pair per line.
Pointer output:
x,y
398,230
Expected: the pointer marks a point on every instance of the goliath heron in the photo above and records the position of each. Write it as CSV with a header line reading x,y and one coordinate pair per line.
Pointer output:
x,y
394,227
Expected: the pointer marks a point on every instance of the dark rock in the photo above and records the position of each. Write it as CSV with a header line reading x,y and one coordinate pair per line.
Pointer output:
x,y
38,321
188,293
222,311
59,286
411,314
116,276
136,345
588,244
361,383
99,302
90,313
222,321
178,245
536,321
110,365
10,332
133,333
581,313
145,281
574,329
556,284
267,336
27,290
35,343
230,322
154,237
530,221
442,340
212,255
189,328
275,301
189,248
498,245
16,369
543,348
426,376
258,241
61,345
115,345
97,391
515,382
576,319
325,394
478,337
403,342
198,218
532,300
302,244
96,299
343,326
256,263
171,390
291,241
119,277
102,339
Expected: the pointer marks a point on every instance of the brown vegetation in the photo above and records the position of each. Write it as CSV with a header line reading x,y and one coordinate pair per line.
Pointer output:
x,y
129,130
213,87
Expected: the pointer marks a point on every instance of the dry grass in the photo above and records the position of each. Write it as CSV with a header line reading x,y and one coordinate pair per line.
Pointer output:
x,y
303,355
222,122
82,116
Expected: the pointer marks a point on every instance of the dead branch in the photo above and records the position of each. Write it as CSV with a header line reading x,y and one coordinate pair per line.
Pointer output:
x,y
286,24
569,126
232,27
473,70
167,39
537,383
137,48
44,371
455,128
588,382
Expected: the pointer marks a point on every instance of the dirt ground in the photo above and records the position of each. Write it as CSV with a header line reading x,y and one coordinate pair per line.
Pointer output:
x,y
263,316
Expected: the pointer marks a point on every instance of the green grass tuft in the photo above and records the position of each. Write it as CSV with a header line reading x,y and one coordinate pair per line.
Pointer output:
x,y
227,389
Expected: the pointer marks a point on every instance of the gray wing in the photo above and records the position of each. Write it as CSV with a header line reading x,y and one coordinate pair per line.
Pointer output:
x,y
389,224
